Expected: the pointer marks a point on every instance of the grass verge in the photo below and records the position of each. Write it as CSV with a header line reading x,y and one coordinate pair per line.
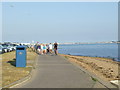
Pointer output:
x,y
10,73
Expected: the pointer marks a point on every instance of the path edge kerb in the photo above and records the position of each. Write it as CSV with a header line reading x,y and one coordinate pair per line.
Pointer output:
x,y
26,78
106,84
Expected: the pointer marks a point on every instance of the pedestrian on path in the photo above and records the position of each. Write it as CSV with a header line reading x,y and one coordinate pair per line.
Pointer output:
x,y
35,48
38,48
55,48
44,48
47,48
41,49
50,47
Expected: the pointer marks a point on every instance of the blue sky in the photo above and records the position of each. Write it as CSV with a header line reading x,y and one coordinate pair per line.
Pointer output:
x,y
0,22
60,21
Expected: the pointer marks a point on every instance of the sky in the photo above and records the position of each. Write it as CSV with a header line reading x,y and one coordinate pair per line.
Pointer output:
x,y
47,22
0,22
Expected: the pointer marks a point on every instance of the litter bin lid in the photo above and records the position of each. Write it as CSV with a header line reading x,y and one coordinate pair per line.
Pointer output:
x,y
20,47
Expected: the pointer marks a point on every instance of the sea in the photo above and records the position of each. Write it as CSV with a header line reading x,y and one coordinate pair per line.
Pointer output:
x,y
106,50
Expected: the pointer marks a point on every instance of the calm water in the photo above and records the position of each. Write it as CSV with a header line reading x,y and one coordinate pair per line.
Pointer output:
x,y
99,50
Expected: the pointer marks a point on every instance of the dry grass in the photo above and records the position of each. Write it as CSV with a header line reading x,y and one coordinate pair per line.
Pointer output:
x,y
10,73
105,68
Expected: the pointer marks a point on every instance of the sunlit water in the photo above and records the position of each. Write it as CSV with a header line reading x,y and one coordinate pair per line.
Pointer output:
x,y
94,50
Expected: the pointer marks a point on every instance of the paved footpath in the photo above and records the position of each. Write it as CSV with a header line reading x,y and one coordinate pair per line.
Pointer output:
x,y
57,72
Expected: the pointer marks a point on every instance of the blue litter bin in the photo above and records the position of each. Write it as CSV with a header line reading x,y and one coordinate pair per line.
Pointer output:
x,y
20,56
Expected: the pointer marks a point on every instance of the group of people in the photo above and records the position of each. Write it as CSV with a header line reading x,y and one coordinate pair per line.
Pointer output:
x,y
46,48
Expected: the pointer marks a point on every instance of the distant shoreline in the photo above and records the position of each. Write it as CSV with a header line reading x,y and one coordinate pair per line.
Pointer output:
x,y
91,43
113,59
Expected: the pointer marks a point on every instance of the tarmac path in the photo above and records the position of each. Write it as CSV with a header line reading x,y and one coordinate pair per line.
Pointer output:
x,y
57,72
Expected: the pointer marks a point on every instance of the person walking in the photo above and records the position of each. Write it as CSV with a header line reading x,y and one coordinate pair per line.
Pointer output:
x,y
41,49
38,48
50,47
55,48
44,48
35,48
47,48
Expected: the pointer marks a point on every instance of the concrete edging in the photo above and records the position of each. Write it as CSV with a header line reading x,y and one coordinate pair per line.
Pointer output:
x,y
24,79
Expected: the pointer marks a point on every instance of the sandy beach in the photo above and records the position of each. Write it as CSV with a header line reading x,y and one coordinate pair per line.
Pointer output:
x,y
104,68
